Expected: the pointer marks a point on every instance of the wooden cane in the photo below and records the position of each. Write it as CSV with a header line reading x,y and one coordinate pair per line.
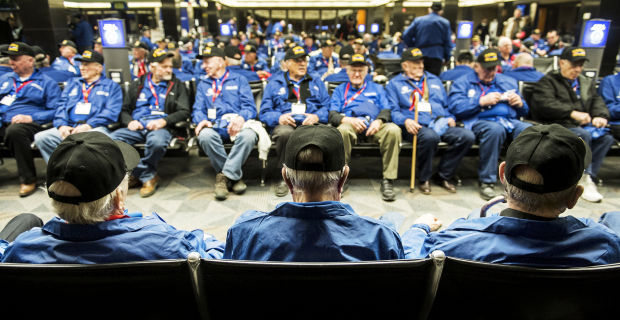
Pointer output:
x,y
414,147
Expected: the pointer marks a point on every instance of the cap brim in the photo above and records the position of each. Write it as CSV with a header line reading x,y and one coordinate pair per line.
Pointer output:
x,y
297,56
131,156
412,59
487,65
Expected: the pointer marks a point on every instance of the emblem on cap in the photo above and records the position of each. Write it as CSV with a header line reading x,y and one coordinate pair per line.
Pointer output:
x,y
207,50
298,50
490,56
137,43
416,52
247,48
357,58
13,47
87,54
210,44
158,53
171,45
578,52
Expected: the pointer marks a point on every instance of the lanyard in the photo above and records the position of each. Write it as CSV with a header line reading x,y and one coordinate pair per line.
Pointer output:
x,y
325,61
575,85
20,87
482,89
354,96
218,90
416,89
154,93
85,92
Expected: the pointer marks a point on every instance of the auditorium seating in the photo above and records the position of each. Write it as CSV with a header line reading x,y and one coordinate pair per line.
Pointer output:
x,y
438,287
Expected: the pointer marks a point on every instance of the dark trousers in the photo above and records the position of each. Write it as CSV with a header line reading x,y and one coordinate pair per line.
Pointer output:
x,y
18,138
432,65
279,136
19,224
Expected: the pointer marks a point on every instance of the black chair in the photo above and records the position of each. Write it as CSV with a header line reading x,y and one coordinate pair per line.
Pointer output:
x,y
135,290
389,65
257,88
338,290
331,86
479,290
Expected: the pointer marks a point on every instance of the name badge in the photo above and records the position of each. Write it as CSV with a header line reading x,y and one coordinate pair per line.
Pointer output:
x,y
424,106
157,113
82,108
211,113
298,108
8,100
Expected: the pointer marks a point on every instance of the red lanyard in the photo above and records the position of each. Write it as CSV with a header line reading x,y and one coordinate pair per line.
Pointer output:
x,y
218,90
85,92
252,67
482,89
325,61
296,92
20,87
415,89
354,96
154,93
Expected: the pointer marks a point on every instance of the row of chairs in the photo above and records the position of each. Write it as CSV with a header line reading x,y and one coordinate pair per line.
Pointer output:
x,y
438,287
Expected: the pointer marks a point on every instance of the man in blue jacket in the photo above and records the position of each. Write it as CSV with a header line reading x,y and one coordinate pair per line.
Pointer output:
x,y
146,38
540,175
233,63
292,99
82,33
251,62
224,102
87,184
89,102
323,64
609,89
67,59
415,88
28,99
431,33
490,105
360,111
316,226
464,66
523,69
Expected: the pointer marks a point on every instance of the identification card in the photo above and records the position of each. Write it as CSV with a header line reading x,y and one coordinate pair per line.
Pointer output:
x,y
211,113
424,106
298,108
7,100
157,113
82,108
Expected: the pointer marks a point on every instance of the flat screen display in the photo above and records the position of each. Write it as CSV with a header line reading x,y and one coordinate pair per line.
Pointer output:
x,y
112,32
465,30
595,33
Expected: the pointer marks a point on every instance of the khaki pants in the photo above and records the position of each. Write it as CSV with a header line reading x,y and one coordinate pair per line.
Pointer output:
x,y
389,139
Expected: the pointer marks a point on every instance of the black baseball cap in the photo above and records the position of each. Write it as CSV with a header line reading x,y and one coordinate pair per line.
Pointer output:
x,y
209,52
249,48
357,59
327,43
488,58
39,54
466,55
140,44
294,53
19,49
413,54
558,154
90,56
346,52
574,54
68,43
232,52
93,163
159,55
436,6
324,137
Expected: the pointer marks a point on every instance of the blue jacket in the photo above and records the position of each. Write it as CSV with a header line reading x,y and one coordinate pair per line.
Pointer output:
x,y
277,99
199,71
431,34
236,97
57,75
105,97
260,65
313,231
387,55
369,103
609,89
463,100
278,57
148,42
83,34
37,99
457,72
183,75
4,70
248,74
318,65
342,76
61,63
562,243
310,49
119,240
527,74
399,96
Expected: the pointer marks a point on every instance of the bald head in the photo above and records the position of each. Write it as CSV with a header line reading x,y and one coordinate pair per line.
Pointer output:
x,y
523,59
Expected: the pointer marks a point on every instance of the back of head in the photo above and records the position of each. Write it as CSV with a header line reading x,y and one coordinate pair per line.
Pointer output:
x,y
523,59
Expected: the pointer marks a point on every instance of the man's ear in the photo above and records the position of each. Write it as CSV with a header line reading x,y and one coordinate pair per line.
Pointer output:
x,y
287,180
502,172
573,200
343,179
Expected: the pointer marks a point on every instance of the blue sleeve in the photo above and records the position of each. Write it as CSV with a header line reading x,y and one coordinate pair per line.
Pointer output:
x,y
199,110
409,35
392,95
447,42
319,100
337,100
3,245
417,241
459,104
61,114
52,94
248,108
269,112
214,247
607,91
111,109
312,68
382,99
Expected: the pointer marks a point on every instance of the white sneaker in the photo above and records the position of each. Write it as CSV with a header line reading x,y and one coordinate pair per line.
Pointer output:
x,y
590,192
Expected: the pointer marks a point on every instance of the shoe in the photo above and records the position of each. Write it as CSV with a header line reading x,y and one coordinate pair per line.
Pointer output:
x,y
134,182
27,189
447,185
281,189
149,187
590,192
425,187
387,190
239,187
486,191
221,187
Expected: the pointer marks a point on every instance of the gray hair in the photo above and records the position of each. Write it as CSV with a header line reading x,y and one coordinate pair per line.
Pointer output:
x,y
503,40
233,62
85,212
533,202
523,59
313,182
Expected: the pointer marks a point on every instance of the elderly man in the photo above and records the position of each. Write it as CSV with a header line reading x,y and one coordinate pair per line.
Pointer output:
x,y
67,61
87,184
89,102
416,88
224,102
540,175
464,66
146,38
489,104
360,111
323,64
504,45
551,45
233,63
152,106
570,99
138,64
292,99
251,62
28,99
316,226
523,69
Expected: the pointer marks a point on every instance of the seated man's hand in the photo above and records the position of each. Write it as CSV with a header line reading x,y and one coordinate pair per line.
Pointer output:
x,y
235,125
358,125
82,128
582,118
311,119
374,127
451,122
412,126
515,100
599,122
203,124
156,124
287,119
135,125
490,99
64,131
429,220
21,118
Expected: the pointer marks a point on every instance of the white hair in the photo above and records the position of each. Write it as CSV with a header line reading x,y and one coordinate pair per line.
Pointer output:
x,y
313,182
523,59
533,202
503,40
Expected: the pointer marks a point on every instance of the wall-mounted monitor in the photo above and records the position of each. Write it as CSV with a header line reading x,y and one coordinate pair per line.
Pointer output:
x,y
374,28
361,28
595,33
465,30
225,29
112,32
